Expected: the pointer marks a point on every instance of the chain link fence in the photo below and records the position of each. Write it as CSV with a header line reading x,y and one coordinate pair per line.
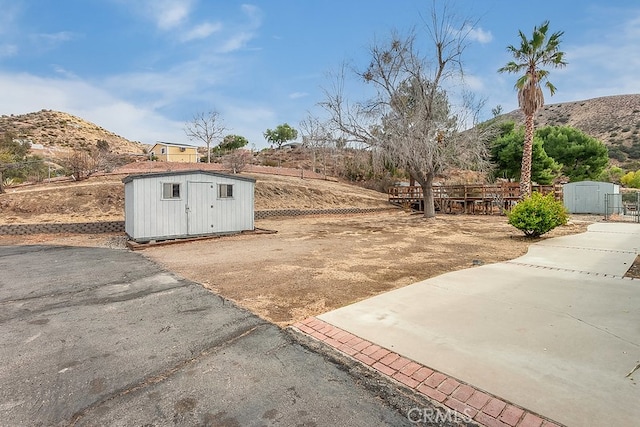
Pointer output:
x,y
622,207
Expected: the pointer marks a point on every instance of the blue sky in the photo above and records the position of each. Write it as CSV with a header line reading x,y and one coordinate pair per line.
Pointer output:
x,y
142,68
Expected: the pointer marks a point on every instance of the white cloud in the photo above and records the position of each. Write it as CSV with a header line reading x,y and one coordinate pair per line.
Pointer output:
x,y
253,13
247,32
201,31
480,35
606,66
298,95
184,83
109,104
601,62
236,42
87,101
169,14
54,38
63,72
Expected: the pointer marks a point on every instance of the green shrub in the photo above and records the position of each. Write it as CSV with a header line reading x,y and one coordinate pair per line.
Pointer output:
x,y
537,215
631,179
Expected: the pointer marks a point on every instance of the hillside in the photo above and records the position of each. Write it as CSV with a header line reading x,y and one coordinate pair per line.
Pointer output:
x,y
101,198
59,132
614,120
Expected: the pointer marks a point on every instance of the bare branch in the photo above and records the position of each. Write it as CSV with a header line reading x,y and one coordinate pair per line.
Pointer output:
x,y
410,118
206,128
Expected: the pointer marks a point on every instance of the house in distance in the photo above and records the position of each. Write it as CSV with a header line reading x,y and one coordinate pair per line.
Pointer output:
x,y
170,152
172,205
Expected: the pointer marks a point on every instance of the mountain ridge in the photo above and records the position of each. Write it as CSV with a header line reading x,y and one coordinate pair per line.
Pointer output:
x,y
614,120
60,131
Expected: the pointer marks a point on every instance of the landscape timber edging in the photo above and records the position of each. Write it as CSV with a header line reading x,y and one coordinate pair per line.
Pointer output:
x,y
118,226
59,228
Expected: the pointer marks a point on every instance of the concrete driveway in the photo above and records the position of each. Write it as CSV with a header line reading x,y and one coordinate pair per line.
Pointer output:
x,y
105,337
556,331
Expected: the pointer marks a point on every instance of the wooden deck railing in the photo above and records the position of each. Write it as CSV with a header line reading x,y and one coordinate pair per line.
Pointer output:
x,y
468,198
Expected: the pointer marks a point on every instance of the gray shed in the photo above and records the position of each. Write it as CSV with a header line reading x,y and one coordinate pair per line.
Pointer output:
x,y
590,197
187,203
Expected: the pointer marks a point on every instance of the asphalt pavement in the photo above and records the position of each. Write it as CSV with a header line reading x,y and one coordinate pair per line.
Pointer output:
x,y
94,336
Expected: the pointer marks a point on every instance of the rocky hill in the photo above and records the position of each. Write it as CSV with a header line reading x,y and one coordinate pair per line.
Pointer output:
x,y
614,120
58,132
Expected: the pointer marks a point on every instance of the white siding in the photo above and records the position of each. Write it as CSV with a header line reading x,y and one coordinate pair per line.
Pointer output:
x,y
129,223
149,217
231,212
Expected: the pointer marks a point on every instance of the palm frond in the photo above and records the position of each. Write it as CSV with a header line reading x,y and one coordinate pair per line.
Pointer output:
x,y
532,55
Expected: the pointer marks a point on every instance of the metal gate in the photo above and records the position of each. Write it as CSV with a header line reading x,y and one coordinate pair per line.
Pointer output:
x,y
619,207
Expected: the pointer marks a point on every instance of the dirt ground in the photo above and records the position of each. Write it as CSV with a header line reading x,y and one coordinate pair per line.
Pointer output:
x,y
316,264
310,265
634,270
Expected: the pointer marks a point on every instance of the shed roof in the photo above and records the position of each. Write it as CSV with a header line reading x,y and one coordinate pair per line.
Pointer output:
x,y
185,172
589,182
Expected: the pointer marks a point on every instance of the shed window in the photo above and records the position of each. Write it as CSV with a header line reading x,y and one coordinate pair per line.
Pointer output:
x,y
163,150
225,191
170,190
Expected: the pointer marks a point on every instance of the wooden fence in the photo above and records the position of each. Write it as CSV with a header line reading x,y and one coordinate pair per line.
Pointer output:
x,y
470,198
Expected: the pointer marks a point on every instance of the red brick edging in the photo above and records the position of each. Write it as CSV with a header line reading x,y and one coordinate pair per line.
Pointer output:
x,y
482,407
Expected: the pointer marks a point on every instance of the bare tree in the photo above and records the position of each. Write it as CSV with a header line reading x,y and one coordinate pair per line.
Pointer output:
x,y
207,128
410,118
81,164
237,160
317,138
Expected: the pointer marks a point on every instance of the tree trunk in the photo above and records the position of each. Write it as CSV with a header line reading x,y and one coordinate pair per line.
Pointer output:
x,y
208,153
525,170
427,191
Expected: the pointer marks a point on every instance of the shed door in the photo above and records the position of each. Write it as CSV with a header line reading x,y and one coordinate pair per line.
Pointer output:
x,y
587,199
201,198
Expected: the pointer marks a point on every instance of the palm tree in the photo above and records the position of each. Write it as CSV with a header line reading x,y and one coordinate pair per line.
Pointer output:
x,y
530,56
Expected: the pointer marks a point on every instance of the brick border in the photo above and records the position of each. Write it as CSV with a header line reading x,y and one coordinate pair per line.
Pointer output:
x,y
484,408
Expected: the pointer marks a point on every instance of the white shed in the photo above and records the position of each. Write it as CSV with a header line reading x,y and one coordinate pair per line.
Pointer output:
x,y
590,197
179,204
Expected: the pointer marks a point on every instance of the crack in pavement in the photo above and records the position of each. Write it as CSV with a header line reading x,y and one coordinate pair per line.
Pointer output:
x,y
619,251
162,376
602,330
590,273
